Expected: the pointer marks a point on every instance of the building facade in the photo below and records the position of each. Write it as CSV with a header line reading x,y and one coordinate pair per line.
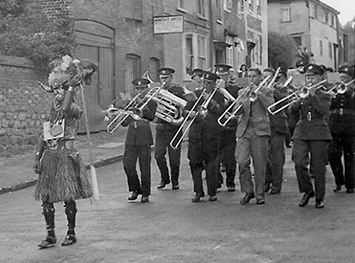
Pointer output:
x,y
312,24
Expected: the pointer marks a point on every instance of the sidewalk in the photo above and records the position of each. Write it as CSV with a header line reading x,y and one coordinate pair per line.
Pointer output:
x,y
17,173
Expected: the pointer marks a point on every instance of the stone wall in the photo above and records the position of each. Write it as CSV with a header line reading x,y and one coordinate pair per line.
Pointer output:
x,y
23,106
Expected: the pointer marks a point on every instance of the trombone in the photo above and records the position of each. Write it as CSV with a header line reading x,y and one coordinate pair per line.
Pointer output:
x,y
293,97
201,111
339,88
246,95
128,111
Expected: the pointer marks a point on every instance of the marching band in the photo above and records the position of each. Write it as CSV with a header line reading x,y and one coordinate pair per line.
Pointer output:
x,y
229,125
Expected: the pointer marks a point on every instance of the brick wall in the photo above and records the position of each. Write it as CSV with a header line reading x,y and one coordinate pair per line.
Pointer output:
x,y
23,106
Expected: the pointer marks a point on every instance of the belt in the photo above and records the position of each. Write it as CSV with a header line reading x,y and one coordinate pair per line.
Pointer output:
x,y
342,111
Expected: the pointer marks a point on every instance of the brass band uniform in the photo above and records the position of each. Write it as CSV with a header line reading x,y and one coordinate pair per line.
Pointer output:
x,y
342,127
164,133
311,138
204,139
139,140
228,140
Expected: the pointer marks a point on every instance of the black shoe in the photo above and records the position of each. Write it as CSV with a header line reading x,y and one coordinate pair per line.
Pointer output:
x,y
231,188
162,185
247,198
350,190
319,204
305,199
260,201
48,242
133,196
212,198
275,192
69,240
175,187
337,188
144,199
197,197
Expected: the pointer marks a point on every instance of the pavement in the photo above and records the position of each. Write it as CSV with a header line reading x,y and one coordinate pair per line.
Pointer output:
x,y
17,173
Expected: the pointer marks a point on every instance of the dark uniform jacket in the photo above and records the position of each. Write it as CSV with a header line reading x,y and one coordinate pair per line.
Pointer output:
x,y
342,114
214,110
278,121
139,131
312,111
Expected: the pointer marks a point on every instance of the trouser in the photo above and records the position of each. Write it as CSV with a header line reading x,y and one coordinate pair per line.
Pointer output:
x,y
227,156
315,153
276,161
343,145
204,152
142,153
162,145
250,145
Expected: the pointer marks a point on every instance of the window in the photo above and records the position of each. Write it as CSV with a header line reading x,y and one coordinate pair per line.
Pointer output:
x,y
228,4
286,12
181,4
256,53
230,51
321,47
298,41
326,15
201,49
201,8
194,53
251,6
330,47
316,11
133,70
333,21
258,7
219,10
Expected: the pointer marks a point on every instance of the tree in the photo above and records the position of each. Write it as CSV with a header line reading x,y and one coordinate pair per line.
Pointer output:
x,y
349,29
282,49
39,39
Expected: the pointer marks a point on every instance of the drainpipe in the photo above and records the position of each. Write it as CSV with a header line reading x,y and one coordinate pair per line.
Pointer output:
x,y
212,51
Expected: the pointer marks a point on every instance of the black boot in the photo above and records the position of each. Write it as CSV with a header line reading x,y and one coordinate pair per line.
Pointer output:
x,y
48,212
70,210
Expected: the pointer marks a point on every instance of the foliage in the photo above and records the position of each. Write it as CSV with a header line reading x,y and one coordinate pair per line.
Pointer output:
x,y
349,29
39,39
282,49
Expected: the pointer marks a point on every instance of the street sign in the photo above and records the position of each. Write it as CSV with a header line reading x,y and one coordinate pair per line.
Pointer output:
x,y
168,24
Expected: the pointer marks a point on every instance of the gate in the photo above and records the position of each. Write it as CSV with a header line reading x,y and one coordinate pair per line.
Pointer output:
x,y
95,42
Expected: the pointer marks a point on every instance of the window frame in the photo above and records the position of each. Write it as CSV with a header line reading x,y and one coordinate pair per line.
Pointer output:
x,y
285,7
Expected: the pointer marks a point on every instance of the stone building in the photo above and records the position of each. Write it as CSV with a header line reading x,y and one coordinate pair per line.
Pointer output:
x,y
312,24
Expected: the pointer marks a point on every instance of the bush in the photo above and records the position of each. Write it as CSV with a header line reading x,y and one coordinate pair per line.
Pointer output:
x,y
39,39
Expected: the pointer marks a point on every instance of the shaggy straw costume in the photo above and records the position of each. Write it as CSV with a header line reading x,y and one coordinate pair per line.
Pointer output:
x,y
62,174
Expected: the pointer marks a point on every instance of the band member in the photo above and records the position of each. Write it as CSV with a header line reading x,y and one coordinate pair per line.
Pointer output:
x,y
253,134
164,134
342,127
204,137
62,174
197,76
311,137
228,140
139,141
278,127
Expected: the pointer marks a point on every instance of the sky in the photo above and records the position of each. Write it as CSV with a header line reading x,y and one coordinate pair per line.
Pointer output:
x,y
345,7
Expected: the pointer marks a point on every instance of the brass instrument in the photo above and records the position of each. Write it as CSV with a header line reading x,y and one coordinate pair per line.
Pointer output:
x,y
227,96
193,111
293,97
339,88
230,112
168,106
131,109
